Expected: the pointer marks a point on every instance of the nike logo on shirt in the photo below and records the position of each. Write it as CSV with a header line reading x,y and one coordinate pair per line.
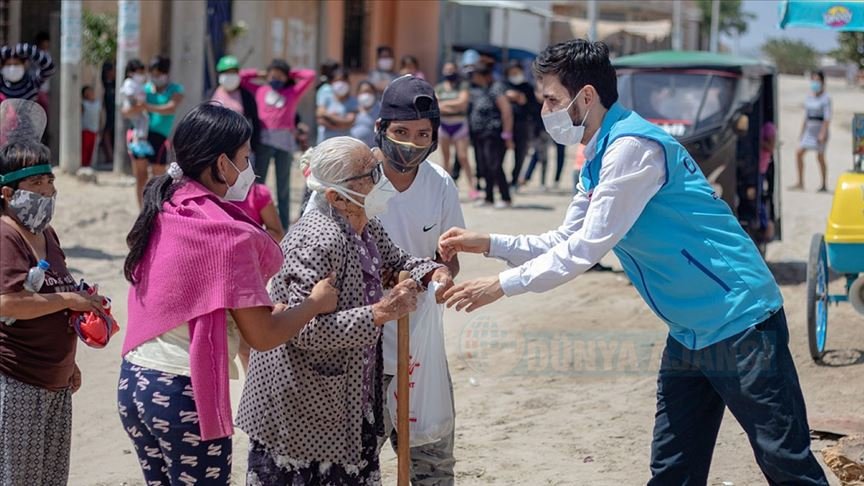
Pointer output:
x,y
427,228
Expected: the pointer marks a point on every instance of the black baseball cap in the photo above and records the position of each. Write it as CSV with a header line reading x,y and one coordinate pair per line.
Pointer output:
x,y
410,98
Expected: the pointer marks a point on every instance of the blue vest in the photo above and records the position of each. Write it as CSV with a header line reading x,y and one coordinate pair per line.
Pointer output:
x,y
687,255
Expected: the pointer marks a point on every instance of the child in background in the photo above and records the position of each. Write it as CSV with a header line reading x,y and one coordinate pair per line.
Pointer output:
x,y
135,97
91,110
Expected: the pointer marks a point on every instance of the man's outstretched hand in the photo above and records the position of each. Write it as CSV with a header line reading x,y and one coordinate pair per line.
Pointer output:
x,y
474,294
456,240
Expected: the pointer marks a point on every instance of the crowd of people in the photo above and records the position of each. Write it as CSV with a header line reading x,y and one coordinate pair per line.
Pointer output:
x,y
309,308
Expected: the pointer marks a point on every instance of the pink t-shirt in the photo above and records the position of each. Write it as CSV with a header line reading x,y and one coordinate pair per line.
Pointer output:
x,y
233,100
259,198
277,108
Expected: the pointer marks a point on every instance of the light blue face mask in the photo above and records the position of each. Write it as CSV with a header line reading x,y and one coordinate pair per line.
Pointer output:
x,y
816,86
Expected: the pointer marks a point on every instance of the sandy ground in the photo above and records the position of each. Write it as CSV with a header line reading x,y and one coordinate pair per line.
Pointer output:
x,y
550,389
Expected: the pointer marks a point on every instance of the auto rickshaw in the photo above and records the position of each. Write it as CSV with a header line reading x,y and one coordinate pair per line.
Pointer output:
x,y
841,248
715,105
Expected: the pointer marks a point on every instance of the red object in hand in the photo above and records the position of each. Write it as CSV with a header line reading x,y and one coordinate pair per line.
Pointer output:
x,y
95,328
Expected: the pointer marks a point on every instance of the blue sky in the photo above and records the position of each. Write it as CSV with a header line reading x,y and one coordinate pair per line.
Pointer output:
x,y
764,27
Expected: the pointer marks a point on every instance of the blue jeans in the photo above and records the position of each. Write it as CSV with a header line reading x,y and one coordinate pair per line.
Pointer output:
x,y
754,375
282,159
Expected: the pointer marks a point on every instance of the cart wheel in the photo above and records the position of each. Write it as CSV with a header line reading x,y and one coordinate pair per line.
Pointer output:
x,y
817,297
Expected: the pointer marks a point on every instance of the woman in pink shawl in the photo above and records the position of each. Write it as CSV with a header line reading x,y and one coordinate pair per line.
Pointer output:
x,y
194,259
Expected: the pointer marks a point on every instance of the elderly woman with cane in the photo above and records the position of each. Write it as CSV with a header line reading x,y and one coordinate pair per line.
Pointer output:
x,y
313,408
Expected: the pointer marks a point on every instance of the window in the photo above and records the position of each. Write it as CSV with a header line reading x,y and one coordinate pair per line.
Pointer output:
x,y
353,40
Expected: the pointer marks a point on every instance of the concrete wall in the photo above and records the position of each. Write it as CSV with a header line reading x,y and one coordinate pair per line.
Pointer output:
x,y
523,30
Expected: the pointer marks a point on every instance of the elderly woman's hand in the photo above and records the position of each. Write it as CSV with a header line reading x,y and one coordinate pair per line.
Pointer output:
x,y
325,295
444,279
399,302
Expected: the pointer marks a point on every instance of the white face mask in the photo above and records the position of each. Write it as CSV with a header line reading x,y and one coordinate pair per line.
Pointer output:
x,y
366,100
385,64
560,127
516,79
375,203
341,88
13,73
139,78
244,182
229,81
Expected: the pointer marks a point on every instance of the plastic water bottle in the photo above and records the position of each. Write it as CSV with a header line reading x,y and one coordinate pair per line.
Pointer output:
x,y
34,282
36,277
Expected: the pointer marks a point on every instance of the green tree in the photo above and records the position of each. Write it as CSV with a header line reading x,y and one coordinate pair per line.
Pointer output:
x,y
99,38
791,56
851,48
733,20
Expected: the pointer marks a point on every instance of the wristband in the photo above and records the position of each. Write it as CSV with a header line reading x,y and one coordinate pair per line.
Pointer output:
x,y
506,135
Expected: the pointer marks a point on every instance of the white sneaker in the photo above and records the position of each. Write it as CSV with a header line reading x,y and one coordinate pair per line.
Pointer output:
x,y
482,203
503,205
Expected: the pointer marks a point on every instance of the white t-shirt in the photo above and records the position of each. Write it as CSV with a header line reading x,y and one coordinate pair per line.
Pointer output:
x,y
90,114
169,352
414,220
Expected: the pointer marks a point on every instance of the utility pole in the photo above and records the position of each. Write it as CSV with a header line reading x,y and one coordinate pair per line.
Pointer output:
x,y
677,35
715,24
128,35
70,86
592,20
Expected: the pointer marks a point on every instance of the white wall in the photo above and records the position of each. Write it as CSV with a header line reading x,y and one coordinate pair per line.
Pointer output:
x,y
524,30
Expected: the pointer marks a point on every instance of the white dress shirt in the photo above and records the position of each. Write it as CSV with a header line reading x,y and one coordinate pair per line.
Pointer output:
x,y
633,171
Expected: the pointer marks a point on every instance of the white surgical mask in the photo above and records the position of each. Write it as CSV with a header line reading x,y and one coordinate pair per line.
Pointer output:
x,y
244,182
13,73
516,79
341,88
375,203
385,64
139,78
560,127
229,81
160,81
366,100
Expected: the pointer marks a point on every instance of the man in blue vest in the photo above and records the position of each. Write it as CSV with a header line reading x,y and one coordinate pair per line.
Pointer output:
x,y
642,196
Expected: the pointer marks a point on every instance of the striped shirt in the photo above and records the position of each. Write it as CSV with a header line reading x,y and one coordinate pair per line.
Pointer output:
x,y
42,67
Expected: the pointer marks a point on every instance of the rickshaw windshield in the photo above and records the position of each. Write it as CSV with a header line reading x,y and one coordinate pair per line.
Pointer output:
x,y
680,103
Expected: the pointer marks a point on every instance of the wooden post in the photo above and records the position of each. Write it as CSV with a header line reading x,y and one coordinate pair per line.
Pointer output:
x,y
403,429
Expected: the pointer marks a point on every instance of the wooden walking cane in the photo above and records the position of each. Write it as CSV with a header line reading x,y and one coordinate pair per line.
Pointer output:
x,y
403,429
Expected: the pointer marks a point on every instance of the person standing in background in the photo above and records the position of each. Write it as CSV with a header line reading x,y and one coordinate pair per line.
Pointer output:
x,y
453,98
520,93
814,130
337,115
383,72
15,80
277,102
91,111
490,120
163,99
231,96
367,113
109,103
410,65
